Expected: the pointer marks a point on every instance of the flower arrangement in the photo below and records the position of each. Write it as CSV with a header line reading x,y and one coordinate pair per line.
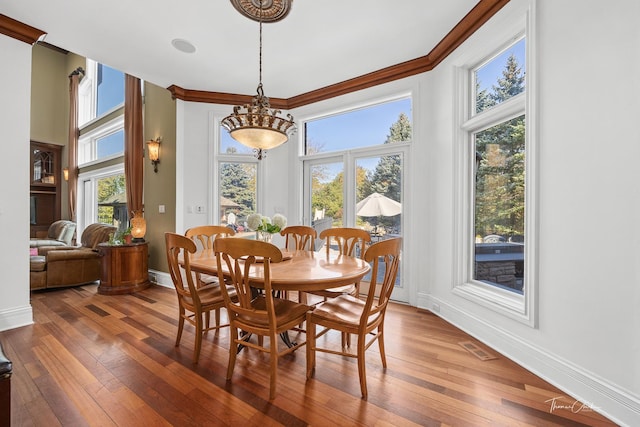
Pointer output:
x,y
264,224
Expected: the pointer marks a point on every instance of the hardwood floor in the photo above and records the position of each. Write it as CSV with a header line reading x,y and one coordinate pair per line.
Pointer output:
x,y
94,359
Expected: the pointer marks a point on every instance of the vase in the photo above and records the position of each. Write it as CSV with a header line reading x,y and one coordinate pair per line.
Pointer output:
x,y
264,236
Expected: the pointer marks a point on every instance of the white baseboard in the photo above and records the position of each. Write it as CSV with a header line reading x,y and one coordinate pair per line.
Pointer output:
x,y
612,401
161,278
16,317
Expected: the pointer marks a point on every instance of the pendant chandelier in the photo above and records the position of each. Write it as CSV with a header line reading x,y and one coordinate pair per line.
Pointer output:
x,y
257,125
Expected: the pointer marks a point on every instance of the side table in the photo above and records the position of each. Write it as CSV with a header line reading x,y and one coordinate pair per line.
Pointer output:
x,y
124,268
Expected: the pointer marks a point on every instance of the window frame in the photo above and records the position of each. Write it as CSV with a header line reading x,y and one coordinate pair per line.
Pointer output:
x,y
88,142
522,308
219,158
349,157
88,213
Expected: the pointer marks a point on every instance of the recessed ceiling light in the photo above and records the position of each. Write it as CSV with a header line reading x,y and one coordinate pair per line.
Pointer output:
x,y
183,45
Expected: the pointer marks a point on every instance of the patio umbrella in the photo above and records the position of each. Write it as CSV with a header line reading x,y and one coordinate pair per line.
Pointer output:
x,y
376,204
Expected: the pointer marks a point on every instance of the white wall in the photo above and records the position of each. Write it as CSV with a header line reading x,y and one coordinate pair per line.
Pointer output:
x,y
588,338
587,341
196,168
15,86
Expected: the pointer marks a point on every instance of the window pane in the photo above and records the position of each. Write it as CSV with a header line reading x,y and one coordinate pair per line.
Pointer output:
x,y
501,78
238,193
359,128
112,201
110,89
229,145
327,193
499,204
110,145
378,196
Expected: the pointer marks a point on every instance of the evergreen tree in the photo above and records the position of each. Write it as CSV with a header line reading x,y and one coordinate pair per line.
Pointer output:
x,y
237,182
511,83
500,176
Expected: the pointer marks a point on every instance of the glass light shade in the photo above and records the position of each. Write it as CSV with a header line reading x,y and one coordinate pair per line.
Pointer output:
x,y
65,173
138,227
154,150
260,138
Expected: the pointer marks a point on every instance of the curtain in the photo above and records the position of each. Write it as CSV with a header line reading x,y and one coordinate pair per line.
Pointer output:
x,y
133,144
72,183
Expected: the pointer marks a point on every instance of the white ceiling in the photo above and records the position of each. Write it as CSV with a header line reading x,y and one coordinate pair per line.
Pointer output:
x,y
320,42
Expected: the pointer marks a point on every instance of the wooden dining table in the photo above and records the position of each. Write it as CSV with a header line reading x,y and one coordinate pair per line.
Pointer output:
x,y
299,271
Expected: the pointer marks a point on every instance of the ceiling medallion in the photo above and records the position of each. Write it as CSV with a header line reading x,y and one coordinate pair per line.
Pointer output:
x,y
257,125
272,10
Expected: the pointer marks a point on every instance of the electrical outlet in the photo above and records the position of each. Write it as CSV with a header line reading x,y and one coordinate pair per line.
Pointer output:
x,y
200,209
161,209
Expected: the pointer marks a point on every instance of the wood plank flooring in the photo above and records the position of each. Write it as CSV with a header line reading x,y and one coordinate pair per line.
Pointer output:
x,y
104,360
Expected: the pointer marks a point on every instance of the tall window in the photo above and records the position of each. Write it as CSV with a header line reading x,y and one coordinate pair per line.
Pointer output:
x,y
353,169
101,190
494,243
237,183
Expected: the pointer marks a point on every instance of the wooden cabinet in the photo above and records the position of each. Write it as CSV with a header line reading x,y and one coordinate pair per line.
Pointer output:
x,y
124,268
45,176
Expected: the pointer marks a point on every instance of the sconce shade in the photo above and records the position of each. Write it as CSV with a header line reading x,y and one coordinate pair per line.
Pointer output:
x,y
153,148
138,227
65,174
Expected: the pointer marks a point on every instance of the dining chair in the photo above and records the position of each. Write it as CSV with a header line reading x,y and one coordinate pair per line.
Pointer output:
x,y
204,236
351,315
350,242
299,238
193,302
259,313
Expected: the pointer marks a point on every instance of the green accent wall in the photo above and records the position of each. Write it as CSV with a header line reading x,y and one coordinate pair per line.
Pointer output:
x,y
50,123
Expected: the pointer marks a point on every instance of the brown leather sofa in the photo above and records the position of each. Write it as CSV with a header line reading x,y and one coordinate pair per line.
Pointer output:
x,y
59,266
60,233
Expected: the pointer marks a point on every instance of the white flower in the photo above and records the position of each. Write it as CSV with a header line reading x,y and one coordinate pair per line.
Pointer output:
x,y
280,220
254,221
257,222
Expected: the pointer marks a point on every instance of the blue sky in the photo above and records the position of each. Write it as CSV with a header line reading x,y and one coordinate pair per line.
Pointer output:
x,y
489,73
358,128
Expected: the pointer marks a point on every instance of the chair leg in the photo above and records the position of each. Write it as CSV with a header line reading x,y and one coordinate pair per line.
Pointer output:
x,y
273,359
233,350
381,346
180,325
196,353
217,314
311,347
362,366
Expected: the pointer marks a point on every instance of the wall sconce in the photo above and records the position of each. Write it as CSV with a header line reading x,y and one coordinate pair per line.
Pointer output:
x,y
65,174
153,147
138,227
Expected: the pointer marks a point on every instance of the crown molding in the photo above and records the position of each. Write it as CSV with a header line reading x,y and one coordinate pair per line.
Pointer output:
x,y
473,20
219,97
19,31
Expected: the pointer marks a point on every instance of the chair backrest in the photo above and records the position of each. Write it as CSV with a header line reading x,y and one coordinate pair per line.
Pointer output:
x,y
183,280
206,234
384,257
349,241
235,258
299,237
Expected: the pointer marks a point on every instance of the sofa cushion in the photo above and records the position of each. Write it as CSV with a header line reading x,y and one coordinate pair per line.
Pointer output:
x,y
60,233
96,233
38,263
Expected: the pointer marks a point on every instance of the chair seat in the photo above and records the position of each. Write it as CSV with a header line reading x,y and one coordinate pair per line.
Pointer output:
x,y
286,312
335,292
210,295
344,309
